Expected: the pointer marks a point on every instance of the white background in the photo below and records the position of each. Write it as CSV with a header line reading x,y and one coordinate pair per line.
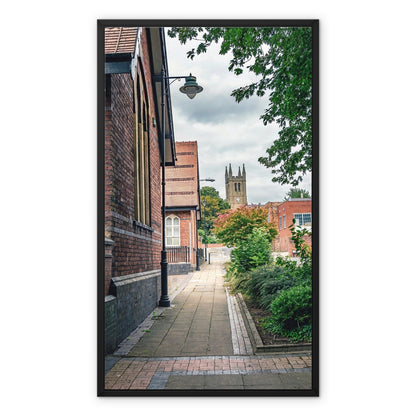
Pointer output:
x,y
48,207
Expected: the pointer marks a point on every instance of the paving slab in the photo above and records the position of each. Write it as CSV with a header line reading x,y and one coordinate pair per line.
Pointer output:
x,y
193,325
200,343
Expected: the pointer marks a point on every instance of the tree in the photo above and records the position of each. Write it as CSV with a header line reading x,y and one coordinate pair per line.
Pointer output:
x,y
297,193
236,226
215,205
282,58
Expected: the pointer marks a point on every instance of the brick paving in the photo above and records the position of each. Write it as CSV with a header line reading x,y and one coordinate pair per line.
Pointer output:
x,y
200,343
162,373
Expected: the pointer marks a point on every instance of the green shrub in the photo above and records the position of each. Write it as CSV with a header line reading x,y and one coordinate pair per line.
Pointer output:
x,y
266,282
292,313
252,252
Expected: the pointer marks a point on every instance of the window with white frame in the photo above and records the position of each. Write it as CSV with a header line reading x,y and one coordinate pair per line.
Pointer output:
x,y
172,231
304,219
280,223
284,221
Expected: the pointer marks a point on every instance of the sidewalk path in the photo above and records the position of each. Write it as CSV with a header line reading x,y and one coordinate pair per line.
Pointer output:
x,y
200,342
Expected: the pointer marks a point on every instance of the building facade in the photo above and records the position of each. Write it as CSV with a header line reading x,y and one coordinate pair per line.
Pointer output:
x,y
133,220
272,216
183,208
235,187
283,215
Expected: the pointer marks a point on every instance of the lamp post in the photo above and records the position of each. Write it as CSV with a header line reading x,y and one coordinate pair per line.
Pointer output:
x,y
190,88
204,203
197,257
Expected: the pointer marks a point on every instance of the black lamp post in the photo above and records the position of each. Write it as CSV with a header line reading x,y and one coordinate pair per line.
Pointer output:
x,y
204,203
190,88
197,258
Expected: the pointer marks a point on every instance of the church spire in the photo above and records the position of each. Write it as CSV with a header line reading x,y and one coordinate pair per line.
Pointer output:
x,y
230,171
244,171
239,171
226,173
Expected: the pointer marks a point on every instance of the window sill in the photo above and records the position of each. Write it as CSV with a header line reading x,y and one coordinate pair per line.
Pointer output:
x,y
144,226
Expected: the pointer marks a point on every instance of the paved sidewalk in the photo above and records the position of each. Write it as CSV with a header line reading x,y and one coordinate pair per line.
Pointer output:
x,y
197,323
200,343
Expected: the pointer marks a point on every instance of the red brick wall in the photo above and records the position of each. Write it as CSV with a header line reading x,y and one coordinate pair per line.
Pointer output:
x,y
136,247
273,217
186,218
289,208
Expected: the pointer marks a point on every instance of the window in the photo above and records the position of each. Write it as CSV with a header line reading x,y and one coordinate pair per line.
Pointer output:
x,y
280,223
304,219
239,187
284,221
141,151
268,217
235,187
172,231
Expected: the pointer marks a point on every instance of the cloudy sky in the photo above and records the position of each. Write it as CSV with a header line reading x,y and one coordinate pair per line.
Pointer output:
x,y
226,131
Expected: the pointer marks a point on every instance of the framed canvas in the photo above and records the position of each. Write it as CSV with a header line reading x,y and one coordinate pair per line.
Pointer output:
x,y
208,153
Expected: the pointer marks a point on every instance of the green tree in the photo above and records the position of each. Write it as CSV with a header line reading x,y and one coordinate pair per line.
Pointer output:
x,y
282,58
215,206
297,193
236,226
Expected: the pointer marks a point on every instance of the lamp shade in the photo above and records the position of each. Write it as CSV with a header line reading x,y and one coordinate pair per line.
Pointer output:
x,y
191,87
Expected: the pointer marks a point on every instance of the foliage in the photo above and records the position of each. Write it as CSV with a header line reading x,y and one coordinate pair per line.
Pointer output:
x,y
303,250
297,193
266,282
252,252
235,226
207,238
281,57
292,313
215,205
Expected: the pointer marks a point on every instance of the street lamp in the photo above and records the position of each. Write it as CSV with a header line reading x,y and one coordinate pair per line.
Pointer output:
x,y
190,88
208,180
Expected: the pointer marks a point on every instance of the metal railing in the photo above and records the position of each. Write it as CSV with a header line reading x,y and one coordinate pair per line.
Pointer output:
x,y
178,254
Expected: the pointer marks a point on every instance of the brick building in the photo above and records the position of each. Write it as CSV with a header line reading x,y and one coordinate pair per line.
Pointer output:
x,y
272,216
282,214
183,208
133,61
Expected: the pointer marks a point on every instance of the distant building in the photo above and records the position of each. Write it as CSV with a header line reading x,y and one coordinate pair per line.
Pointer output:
x,y
182,208
283,214
235,187
272,216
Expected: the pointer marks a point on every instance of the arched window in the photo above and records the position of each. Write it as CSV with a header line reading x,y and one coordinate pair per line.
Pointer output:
x,y
172,231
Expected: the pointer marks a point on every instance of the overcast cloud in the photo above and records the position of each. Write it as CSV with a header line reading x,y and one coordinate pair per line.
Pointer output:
x,y
226,131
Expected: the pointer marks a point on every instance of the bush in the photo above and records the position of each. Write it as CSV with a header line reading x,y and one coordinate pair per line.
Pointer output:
x,y
292,313
266,282
253,252
302,271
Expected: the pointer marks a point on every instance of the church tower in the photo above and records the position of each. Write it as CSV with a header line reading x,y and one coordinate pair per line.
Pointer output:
x,y
235,187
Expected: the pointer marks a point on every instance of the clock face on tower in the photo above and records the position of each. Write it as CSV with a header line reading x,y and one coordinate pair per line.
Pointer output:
x,y
238,199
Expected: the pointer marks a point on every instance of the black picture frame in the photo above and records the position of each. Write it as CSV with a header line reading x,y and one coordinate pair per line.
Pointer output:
x,y
101,370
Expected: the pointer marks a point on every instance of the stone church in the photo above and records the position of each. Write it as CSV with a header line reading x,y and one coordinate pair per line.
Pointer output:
x,y
235,187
